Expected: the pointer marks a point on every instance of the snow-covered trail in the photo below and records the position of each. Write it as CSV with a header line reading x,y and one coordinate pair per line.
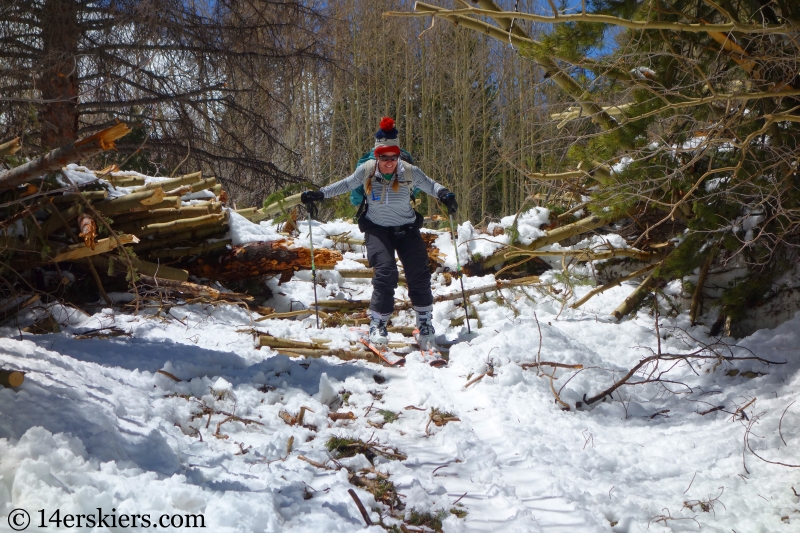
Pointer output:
x,y
96,426
501,492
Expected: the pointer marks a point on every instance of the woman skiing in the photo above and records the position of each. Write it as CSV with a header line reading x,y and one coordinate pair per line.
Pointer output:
x,y
391,225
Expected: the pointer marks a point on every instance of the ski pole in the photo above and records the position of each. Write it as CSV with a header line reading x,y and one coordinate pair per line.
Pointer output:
x,y
460,273
313,268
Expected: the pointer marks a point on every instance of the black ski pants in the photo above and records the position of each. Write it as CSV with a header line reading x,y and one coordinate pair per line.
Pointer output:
x,y
382,243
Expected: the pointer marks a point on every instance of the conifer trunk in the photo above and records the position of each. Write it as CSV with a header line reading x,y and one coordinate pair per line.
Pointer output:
x,y
59,76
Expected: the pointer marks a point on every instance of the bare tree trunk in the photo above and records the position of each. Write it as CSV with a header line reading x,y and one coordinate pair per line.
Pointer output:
x,y
59,78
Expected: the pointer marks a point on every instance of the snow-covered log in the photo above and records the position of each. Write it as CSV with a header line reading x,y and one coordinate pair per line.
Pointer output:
x,y
56,159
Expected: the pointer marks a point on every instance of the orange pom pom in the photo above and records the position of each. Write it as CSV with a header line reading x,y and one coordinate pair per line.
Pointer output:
x,y
387,124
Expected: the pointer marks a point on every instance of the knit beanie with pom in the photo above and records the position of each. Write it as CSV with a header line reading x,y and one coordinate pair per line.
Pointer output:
x,y
386,138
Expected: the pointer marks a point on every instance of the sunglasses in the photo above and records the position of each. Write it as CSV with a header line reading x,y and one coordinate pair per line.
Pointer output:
x,y
389,157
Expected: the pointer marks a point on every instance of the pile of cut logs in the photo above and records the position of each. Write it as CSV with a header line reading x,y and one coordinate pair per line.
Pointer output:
x,y
165,229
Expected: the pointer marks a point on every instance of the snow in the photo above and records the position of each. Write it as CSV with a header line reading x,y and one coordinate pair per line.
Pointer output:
x,y
95,425
75,175
243,231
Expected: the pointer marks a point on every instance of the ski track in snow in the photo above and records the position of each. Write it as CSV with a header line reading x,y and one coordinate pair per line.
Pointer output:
x,y
94,425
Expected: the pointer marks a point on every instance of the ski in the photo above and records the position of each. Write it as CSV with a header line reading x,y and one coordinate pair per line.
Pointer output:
x,y
388,357
432,356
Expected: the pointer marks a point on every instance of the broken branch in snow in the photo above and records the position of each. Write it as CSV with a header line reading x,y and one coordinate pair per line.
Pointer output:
x,y
747,432
618,281
632,301
526,366
313,463
489,372
170,375
275,342
342,416
360,506
55,159
294,420
235,418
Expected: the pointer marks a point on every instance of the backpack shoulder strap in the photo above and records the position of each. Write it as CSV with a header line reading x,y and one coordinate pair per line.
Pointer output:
x,y
369,170
409,167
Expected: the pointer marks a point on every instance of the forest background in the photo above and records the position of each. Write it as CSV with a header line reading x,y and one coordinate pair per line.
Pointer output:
x,y
264,95
670,115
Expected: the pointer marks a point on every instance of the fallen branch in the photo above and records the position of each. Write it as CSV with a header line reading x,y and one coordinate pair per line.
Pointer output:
x,y
747,443
275,342
234,418
360,506
343,354
56,159
290,314
16,308
65,253
526,366
313,463
169,285
611,285
146,269
489,373
342,416
170,375
553,236
499,284
634,299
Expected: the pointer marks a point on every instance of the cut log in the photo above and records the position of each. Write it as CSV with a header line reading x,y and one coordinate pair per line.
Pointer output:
x,y
246,212
152,216
134,202
124,181
187,237
91,196
182,225
344,355
177,253
258,259
157,197
172,183
144,268
10,148
275,342
202,185
58,158
57,253
11,378
274,208
78,251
